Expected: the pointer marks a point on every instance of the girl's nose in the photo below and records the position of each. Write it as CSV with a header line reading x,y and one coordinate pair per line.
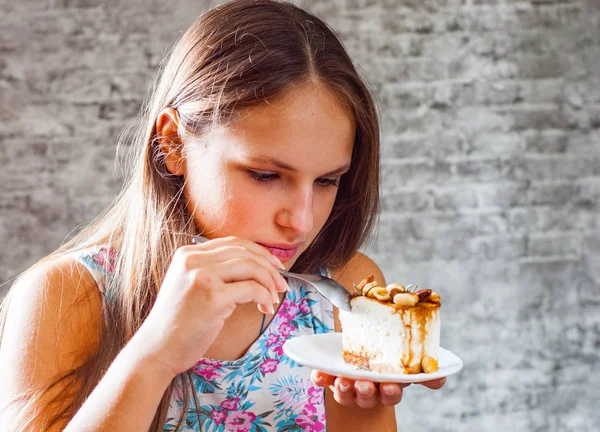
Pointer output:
x,y
298,212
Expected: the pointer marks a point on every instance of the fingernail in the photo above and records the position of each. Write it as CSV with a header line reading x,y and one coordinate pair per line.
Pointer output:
x,y
278,262
344,387
283,285
332,388
272,310
362,388
389,391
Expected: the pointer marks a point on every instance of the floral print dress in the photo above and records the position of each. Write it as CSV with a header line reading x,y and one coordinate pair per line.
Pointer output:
x,y
264,390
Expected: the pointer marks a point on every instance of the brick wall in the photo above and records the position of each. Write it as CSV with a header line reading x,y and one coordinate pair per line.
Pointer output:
x,y
491,154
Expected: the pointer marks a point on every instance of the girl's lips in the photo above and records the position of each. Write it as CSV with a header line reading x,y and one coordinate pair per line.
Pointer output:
x,y
281,253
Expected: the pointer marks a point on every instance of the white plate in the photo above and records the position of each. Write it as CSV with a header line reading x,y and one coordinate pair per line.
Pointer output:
x,y
324,353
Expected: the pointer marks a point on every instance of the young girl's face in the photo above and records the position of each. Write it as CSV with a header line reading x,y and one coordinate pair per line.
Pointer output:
x,y
271,175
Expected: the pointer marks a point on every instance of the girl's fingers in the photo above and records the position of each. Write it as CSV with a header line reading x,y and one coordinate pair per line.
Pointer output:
x,y
223,252
434,384
366,394
390,393
243,269
343,391
256,248
267,310
322,379
232,252
249,291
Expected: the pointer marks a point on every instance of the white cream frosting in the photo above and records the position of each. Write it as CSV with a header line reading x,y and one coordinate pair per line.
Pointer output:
x,y
392,338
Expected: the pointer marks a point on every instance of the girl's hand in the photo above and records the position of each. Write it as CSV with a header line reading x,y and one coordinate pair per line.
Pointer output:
x,y
202,287
366,394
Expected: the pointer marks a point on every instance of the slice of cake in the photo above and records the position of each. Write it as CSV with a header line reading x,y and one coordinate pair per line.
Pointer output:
x,y
392,329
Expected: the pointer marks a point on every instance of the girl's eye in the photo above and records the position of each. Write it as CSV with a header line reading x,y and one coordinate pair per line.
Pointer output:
x,y
262,177
268,177
328,182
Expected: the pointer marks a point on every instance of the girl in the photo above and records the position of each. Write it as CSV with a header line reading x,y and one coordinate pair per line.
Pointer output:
x,y
260,136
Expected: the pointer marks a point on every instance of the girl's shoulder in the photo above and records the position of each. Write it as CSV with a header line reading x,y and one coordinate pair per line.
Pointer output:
x,y
359,267
52,317
56,288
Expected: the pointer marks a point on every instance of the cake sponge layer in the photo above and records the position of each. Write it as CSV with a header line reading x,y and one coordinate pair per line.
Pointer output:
x,y
384,337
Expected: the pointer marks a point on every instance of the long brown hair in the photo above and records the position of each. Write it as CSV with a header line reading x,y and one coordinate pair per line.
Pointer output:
x,y
236,55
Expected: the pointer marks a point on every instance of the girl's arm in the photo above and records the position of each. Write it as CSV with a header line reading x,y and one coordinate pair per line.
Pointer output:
x,y
347,418
55,316
52,326
127,397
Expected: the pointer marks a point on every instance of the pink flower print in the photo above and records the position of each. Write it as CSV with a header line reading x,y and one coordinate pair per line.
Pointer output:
x,y
304,308
311,420
269,365
218,416
207,368
315,396
285,329
240,421
279,348
106,258
289,310
210,362
309,409
230,404
209,372
272,339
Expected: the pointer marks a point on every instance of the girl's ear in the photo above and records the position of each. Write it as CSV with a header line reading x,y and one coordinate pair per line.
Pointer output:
x,y
169,142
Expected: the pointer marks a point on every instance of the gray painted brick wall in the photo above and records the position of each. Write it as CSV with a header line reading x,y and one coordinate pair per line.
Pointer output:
x,y
491,172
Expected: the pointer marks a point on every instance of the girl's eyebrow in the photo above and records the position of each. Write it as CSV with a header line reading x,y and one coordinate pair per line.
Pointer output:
x,y
282,165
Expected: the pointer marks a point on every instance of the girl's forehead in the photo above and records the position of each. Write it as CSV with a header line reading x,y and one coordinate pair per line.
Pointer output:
x,y
302,117
297,102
